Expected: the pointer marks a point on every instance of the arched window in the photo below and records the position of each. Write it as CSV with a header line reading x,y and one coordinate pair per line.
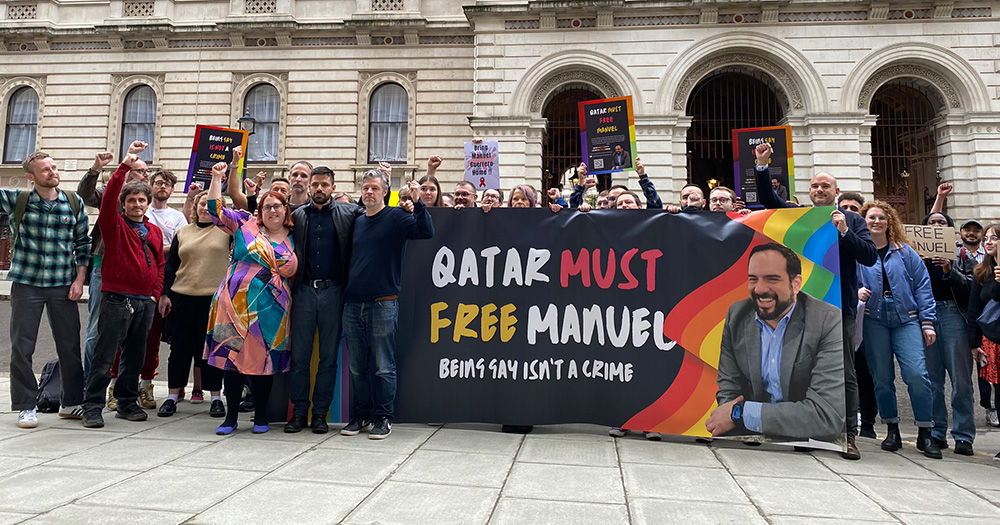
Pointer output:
x,y
387,121
264,104
139,120
22,122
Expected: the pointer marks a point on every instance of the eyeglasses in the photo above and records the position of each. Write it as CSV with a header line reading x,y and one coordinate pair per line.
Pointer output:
x,y
490,196
462,194
991,238
162,184
720,200
272,207
144,171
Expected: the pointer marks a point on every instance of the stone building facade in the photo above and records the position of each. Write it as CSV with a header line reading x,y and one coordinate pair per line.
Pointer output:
x,y
496,69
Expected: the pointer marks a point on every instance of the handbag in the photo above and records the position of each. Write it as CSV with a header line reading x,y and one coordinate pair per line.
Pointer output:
x,y
989,321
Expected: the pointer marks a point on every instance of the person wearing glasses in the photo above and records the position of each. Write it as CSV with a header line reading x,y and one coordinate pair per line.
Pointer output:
x,y
250,311
899,322
465,195
985,287
91,195
492,198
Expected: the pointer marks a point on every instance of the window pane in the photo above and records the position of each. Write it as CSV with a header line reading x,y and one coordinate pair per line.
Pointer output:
x,y
22,122
387,122
264,105
139,120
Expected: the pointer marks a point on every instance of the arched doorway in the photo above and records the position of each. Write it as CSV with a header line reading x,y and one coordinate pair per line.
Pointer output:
x,y
561,143
904,149
719,104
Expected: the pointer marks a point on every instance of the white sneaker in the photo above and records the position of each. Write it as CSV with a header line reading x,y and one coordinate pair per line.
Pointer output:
x,y
27,419
73,412
991,417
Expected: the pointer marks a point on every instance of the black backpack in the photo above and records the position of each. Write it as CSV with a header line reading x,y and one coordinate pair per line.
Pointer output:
x,y
49,388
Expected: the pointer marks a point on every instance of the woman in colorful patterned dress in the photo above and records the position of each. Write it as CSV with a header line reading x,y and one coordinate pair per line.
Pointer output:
x,y
249,318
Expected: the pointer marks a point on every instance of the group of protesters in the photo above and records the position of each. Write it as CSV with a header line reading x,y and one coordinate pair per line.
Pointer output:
x,y
240,291
244,287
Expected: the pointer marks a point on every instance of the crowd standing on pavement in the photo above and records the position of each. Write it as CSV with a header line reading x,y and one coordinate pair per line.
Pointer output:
x,y
242,288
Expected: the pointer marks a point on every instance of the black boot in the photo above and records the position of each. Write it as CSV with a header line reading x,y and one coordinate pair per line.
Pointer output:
x,y
892,440
926,444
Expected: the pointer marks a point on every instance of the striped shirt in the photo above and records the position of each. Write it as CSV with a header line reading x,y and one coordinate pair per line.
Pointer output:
x,y
51,242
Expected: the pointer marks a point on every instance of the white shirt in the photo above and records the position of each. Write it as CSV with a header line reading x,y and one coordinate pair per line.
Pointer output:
x,y
168,220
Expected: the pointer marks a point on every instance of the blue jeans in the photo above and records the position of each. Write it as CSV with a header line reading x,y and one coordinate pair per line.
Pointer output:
x,y
315,309
93,317
888,337
370,329
951,353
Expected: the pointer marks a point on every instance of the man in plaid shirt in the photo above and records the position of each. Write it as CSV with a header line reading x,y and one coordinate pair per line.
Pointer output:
x,y
48,267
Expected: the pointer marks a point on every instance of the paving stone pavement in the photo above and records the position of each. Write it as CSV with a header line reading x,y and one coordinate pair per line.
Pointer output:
x,y
176,470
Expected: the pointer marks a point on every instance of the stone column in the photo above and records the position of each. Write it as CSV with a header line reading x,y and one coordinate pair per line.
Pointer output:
x,y
969,146
839,144
662,144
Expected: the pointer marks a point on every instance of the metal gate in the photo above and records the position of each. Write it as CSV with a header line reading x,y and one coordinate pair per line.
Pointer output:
x,y
718,105
561,145
904,150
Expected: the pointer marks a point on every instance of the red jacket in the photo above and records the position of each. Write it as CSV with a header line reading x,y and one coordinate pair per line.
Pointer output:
x,y
126,269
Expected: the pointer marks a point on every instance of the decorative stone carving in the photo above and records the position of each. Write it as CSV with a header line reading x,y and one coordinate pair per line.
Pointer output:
x,y
879,12
944,95
605,86
769,14
786,87
943,10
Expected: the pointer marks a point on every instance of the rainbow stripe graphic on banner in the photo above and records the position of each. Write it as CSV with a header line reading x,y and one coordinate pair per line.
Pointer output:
x,y
696,322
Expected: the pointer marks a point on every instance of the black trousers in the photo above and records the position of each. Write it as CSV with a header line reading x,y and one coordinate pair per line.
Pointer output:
x,y
188,325
26,304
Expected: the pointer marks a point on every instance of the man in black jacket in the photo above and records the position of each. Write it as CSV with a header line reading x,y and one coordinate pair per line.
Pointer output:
x,y
322,235
856,247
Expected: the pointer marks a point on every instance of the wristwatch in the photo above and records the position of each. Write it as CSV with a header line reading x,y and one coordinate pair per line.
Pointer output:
x,y
737,416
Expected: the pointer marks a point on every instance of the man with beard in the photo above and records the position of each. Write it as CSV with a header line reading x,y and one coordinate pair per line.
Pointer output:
x,y
465,194
775,377
855,247
49,259
322,236
300,180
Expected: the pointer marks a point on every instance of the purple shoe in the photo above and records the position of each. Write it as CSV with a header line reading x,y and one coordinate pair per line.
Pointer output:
x,y
225,431
260,429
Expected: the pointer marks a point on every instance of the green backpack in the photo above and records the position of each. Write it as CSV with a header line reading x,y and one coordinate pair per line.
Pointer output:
x,y
22,205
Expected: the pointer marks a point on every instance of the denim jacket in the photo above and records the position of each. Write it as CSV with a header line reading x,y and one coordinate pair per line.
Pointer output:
x,y
911,286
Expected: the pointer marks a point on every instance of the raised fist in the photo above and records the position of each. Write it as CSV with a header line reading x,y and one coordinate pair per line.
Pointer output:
x,y
101,160
137,146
